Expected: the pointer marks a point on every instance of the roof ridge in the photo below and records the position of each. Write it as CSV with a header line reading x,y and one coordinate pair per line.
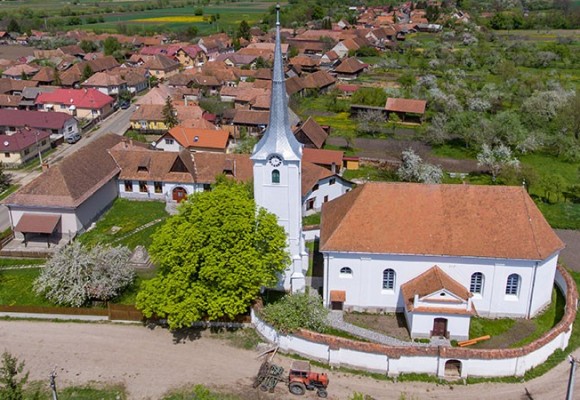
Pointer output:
x,y
532,229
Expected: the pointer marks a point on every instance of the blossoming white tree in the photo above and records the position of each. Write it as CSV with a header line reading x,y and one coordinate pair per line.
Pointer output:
x,y
76,275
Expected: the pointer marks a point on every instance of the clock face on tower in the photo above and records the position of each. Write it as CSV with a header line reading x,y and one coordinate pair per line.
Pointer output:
x,y
275,161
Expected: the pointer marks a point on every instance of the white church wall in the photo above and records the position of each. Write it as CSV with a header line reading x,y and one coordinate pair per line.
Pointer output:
x,y
544,273
364,289
358,359
412,364
431,359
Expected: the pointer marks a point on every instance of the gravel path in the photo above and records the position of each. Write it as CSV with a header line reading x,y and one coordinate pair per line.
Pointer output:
x,y
336,321
151,361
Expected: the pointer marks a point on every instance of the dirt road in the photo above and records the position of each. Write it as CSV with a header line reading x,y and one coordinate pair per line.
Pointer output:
x,y
151,361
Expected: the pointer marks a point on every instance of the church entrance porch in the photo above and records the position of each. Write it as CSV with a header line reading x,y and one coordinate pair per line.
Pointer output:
x,y
440,327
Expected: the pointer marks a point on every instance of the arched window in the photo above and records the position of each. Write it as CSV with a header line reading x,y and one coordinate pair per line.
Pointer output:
x,y
476,285
275,176
345,271
512,286
389,279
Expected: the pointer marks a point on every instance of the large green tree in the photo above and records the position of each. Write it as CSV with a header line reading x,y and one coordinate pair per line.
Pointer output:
x,y
213,257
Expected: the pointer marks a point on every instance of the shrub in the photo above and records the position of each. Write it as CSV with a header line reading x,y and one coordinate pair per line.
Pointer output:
x,y
295,311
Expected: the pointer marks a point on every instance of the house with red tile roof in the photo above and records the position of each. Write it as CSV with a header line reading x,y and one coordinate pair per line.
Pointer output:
x,y
194,139
81,103
18,71
106,83
22,145
349,69
438,253
310,134
57,123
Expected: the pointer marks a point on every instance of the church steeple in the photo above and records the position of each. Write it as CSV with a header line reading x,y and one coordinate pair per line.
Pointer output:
x,y
278,138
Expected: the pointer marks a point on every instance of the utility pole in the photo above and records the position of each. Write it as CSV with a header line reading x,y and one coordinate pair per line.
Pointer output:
x,y
570,391
52,377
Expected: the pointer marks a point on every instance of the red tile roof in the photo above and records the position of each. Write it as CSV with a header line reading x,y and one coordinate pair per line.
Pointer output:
x,y
34,119
406,105
80,98
22,139
321,156
454,220
192,138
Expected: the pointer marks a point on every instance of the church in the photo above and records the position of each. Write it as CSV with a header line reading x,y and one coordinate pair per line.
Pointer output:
x,y
438,253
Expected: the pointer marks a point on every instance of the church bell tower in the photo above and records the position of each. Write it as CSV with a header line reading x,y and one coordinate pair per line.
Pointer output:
x,y
277,160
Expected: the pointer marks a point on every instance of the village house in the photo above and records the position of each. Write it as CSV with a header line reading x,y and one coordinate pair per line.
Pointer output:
x,y
20,71
160,66
22,145
190,56
59,124
67,197
14,87
149,118
349,69
106,83
329,159
10,102
81,103
193,139
29,95
320,81
154,175
45,76
310,134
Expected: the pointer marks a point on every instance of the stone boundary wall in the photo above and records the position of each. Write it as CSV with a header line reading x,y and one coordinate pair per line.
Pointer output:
x,y
394,360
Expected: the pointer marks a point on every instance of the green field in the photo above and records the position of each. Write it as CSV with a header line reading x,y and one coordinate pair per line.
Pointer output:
x,y
230,15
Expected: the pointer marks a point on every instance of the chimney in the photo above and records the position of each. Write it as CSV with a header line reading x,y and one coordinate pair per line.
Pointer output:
x,y
45,166
333,167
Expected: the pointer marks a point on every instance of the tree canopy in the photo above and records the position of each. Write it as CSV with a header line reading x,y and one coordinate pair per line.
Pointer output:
x,y
214,256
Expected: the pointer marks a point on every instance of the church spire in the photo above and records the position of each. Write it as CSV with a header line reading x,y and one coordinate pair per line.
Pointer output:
x,y
278,138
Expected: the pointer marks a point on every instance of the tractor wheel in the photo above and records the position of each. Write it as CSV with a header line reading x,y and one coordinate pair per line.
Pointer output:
x,y
297,388
322,393
263,388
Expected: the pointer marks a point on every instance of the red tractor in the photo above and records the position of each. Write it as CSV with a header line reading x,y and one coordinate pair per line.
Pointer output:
x,y
300,379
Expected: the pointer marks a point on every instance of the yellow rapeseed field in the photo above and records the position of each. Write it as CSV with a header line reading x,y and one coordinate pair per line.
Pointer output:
x,y
176,18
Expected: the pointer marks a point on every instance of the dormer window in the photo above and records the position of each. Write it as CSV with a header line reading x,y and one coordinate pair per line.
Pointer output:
x,y
275,176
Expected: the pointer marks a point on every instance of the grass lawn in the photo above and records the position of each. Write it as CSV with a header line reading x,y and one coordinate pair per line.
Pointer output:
x,y
129,296
510,333
312,219
11,189
16,288
40,390
14,262
123,218
198,392
369,173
